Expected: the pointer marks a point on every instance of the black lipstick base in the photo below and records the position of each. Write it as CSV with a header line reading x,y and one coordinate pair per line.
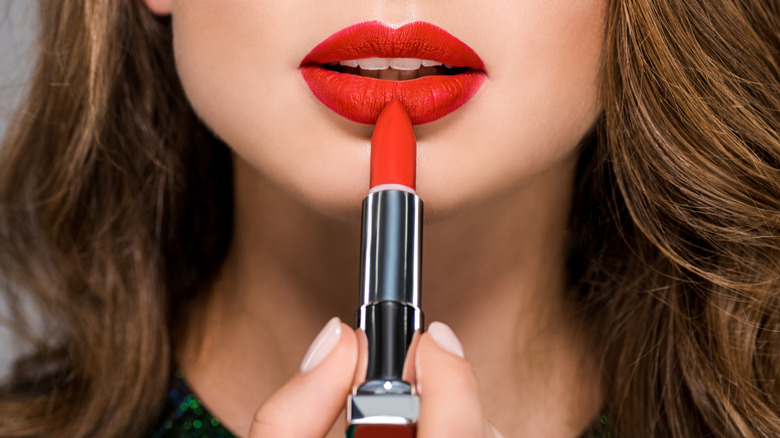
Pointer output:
x,y
389,328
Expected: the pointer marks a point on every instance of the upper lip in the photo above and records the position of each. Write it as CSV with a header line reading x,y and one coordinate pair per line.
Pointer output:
x,y
375,39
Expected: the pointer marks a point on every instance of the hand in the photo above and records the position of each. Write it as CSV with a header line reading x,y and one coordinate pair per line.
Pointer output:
x,y
450,403
309,404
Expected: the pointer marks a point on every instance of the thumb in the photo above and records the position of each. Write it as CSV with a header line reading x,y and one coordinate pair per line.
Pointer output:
x,y
308,404
450,402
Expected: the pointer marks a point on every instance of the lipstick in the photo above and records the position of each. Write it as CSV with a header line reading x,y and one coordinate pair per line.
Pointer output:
x,y
385,405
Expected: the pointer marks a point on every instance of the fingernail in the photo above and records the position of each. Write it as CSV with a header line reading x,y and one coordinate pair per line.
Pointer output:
x,y
323,344
445,337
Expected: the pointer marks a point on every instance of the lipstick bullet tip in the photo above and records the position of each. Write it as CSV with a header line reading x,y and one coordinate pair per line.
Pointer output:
x,y
393,147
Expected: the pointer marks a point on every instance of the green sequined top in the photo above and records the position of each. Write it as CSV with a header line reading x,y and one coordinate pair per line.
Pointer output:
x,y
186,417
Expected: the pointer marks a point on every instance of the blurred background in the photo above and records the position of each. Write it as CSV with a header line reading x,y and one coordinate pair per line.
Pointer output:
x,y
17,56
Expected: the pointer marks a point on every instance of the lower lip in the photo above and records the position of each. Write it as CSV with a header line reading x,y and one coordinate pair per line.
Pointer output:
x,y
361,99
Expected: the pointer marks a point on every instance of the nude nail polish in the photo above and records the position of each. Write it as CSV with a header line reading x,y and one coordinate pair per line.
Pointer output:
x,y
445,337
322,345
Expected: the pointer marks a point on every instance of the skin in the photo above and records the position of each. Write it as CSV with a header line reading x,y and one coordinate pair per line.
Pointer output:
x,y
496,177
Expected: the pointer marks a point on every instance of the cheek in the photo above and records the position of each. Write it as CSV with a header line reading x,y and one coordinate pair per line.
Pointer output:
x,y
541,98
230,67
238,63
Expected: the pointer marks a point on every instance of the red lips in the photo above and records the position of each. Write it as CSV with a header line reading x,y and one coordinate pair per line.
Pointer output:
x,y
361,99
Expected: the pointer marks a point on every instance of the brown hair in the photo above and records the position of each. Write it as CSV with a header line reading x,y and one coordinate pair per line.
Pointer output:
x,y
115,205
679,219
108,213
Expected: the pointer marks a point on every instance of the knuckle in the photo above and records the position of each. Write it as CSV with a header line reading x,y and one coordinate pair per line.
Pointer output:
x,y
267,419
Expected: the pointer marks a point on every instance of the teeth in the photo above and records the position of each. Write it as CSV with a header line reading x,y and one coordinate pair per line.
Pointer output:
x,y
405,64
352,63
374,63
391,69
401,64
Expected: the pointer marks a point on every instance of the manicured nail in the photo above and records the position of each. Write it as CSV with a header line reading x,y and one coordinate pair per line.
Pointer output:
x,y
323,344
444,336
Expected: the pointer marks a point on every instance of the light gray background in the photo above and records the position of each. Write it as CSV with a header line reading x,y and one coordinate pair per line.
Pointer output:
x,y
17,55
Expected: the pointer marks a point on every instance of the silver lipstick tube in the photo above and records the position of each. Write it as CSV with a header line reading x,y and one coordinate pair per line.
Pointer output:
x,y
389,312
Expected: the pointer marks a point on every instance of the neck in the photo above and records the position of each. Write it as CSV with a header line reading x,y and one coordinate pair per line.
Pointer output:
x,y
494,273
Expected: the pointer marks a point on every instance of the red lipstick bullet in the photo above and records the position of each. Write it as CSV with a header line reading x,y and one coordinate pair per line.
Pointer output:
x,y
393,148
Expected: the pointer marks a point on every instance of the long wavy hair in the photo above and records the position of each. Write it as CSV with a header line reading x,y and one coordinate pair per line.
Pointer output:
x,y
115,212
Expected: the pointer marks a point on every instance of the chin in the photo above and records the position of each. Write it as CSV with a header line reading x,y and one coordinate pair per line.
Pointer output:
x,y
342,206
345,204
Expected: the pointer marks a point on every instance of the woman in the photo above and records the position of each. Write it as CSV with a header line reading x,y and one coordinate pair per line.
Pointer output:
x,y
603,230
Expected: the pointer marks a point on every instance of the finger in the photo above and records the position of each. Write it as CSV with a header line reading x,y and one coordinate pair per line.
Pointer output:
x,y
308,404
450,402
362,361
409,373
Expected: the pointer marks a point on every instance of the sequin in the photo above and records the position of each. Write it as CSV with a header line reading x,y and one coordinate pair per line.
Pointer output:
x,y
186,416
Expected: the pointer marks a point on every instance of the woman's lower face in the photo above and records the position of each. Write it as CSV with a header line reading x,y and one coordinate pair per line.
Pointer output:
x,y
534,97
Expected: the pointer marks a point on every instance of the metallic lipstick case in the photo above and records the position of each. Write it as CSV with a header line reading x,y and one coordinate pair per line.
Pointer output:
x,y
389,312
